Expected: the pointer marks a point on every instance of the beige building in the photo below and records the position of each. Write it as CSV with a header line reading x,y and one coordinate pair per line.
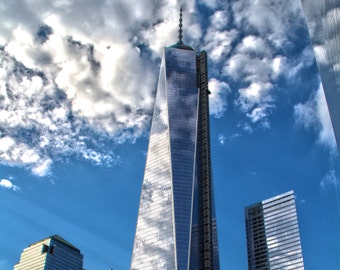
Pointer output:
x,y
51,253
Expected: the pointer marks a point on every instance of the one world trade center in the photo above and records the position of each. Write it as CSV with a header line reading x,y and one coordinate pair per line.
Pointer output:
x,y
176,226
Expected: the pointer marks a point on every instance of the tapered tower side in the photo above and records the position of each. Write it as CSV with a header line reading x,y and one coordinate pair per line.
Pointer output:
x,y
154,239
204,233
323,22
163,232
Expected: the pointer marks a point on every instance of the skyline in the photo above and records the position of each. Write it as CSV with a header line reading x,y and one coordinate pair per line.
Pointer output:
x,y
74,126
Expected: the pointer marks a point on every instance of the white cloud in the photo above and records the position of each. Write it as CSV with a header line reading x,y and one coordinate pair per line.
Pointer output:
x,y
5,144
257,114
218,43
221,138
78,76
251,54
254,44
218,98
313,114
277,66
329,179
217,40
69,77
74,74
194,31
270,18
7,184
42,168
255,93
245,127
20,154
254,64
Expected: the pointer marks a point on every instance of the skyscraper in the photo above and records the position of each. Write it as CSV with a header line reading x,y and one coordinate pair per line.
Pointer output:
x,y
50,253
323,21
273,239
176,226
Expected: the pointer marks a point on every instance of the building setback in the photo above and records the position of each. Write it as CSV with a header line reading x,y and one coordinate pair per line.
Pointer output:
x,y
273,239
176,226
323,21
51,253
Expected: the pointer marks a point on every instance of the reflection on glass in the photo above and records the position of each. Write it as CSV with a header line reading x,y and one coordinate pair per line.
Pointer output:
x,y
323,21
273,239
176,205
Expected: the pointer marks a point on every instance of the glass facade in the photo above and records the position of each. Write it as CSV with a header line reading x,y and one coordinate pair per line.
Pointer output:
x,y
323,21
52,253
273,239
168,233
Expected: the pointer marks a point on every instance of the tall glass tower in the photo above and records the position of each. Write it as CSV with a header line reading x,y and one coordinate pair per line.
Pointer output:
x,y
176,226
323,21
52,252
273,239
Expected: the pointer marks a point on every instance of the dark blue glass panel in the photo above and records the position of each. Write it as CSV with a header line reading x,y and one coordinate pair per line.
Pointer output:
x,y
182,96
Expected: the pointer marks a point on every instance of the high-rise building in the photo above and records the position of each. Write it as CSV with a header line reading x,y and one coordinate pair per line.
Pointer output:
x,y
176,226
50,253
273,239
323,21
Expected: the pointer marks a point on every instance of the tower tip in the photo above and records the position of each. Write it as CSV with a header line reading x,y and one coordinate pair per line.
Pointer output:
x,y
180,44
180,31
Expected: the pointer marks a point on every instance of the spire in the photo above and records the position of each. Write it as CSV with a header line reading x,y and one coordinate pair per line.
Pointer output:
x,y
180,44
180,31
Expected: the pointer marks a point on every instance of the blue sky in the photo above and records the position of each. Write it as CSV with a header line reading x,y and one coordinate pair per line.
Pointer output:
x,y
77,87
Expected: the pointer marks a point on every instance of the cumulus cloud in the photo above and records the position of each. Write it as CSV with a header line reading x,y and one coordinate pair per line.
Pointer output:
x,y
73,82
313,114
254,63
218,38
76,76
277,20
218,98
7,184
247,50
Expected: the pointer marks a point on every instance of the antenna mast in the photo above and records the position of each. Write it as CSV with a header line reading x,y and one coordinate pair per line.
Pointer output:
x,y
180,31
